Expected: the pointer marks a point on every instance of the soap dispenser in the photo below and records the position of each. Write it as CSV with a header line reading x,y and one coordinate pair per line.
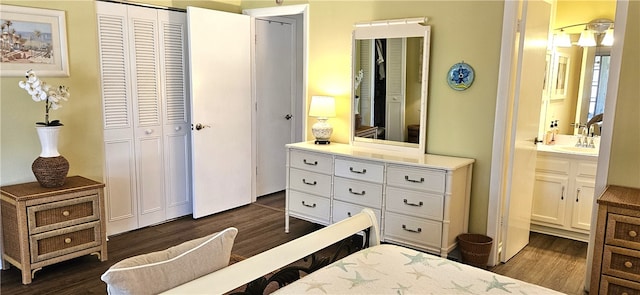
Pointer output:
x,y
555,131
548,137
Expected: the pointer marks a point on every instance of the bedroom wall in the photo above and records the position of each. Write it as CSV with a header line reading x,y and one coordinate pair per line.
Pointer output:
x,y
460,123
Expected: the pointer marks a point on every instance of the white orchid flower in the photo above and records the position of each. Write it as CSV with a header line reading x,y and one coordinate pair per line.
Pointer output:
x,y
41,91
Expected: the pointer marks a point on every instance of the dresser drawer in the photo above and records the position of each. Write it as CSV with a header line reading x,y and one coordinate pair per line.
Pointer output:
x,y
309,205
55,215
359,192
64,241
418,204
623,231
423,232
310,182
416,178
614,286
361,170
621,263
315,162
342,210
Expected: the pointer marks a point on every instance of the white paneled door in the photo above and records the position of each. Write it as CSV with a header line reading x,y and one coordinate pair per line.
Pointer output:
x,y
220,61
527,93
275,86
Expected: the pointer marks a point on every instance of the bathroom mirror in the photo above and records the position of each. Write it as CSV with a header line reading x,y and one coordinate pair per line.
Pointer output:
x,y
390,62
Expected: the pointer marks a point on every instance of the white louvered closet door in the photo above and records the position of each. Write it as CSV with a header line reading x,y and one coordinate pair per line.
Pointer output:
x,y
145,110
177,128
396,88
119,146
145,69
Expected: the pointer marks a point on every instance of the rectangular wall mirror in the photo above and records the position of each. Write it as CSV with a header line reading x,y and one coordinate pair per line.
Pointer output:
x,y
390,62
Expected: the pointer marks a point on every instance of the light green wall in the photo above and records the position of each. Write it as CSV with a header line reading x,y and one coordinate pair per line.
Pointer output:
x,y
624,164
460,123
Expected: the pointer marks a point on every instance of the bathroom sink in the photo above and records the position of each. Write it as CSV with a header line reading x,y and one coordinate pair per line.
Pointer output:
x,y
576,150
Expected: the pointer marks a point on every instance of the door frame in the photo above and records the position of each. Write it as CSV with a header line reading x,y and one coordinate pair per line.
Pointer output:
x,y
300,9
500,160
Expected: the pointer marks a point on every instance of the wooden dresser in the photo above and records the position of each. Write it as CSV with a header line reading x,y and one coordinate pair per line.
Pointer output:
x,y
42,226
421,201
616,256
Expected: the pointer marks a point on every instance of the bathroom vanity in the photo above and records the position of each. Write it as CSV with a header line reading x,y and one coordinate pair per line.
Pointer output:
x,y
563,194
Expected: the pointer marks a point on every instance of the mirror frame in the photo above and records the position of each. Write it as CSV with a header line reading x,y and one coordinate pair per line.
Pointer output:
x,y
398,28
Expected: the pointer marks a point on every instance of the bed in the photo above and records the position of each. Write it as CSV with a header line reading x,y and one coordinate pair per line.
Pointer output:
x,y
376,269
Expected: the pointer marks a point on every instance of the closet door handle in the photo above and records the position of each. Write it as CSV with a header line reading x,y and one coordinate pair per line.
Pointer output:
x,y
363,171
309,183
357,193
406,177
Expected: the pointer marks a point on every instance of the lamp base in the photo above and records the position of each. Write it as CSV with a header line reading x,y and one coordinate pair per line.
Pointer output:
x,y
319,141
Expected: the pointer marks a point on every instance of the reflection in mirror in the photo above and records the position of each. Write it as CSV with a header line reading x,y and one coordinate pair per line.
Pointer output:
x,y
389,94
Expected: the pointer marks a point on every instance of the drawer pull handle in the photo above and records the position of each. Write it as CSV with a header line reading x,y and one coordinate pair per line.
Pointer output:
x,y
628,264
578,196
411,230
356,171
633,233
65,213
67,241
349,214
357,193
562,194
314,163
406,177
309,183
307,205
413,204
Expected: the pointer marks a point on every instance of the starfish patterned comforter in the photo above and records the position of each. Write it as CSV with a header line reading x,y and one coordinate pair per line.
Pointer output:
x,y
390,269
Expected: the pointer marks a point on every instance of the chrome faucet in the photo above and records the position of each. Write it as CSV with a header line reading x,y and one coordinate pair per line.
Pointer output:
x,y
586,138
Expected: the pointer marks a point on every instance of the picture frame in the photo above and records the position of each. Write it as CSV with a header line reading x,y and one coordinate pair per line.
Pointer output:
x,y
560,76
33,38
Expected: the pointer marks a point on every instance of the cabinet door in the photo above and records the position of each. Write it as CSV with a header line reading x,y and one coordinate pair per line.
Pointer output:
x,y
549,199
583,203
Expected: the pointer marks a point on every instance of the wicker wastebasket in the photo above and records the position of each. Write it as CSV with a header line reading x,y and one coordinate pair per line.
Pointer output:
x,y
475,249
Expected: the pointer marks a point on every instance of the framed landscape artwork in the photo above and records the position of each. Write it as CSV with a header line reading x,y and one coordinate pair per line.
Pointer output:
x,y
33,38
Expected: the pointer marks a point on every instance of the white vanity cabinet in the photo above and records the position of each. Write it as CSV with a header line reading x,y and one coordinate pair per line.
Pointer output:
x,y
563,195
421,201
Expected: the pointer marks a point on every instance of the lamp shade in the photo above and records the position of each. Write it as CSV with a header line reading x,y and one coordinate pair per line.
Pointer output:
x,y
322,107
587,39
608,38
562,39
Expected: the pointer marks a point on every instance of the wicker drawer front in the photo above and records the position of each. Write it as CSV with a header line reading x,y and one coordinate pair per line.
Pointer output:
x,y
358,192
320,163
416,178
310,182
622,263
64,241
623,231
427,233
51,216
614,286
415,203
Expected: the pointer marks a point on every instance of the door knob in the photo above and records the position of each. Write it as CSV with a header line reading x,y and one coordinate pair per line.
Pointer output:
x,y
200,126
288,116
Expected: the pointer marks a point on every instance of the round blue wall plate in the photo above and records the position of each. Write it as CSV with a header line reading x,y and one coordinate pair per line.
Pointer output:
x,y
460,76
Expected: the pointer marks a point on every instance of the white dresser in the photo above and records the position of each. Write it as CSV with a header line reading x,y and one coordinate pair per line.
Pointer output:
x,y
421,201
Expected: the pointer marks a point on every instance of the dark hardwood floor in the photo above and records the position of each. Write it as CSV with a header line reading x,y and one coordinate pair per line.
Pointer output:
x,y
552,262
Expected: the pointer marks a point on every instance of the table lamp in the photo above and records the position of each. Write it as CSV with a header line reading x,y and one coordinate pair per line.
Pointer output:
x,y
322,107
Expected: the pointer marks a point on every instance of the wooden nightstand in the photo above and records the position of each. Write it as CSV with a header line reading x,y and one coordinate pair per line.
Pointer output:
x,y
42,226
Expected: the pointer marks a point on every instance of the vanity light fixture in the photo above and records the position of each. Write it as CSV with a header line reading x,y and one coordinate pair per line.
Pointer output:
x,y
593,31
322,107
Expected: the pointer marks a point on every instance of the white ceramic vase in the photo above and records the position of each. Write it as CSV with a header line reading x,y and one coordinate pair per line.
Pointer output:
x,y
50,168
